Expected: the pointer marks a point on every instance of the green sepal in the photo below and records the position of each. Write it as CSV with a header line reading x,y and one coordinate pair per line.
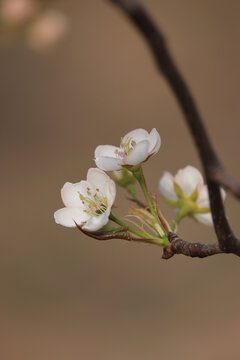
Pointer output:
x,y
131,189
194,195
134,169
172,203
178,190
123,177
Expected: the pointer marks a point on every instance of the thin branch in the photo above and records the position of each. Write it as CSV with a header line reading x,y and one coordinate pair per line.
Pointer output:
x,y
212,166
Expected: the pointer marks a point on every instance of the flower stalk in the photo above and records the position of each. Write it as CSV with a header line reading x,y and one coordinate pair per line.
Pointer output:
x,y
132,230
143,237
141,180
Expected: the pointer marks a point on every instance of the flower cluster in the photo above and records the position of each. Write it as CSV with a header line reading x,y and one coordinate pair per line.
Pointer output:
x,y
89,203
41,27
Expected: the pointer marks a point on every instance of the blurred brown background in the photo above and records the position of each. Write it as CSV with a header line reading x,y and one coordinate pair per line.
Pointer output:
x,y
65,296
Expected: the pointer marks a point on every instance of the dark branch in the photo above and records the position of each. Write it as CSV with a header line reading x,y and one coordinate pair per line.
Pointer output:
x,y
226,181
180,246
213,169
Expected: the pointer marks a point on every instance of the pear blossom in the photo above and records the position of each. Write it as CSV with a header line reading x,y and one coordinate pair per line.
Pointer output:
x,y
16,11
187,192
88,203
135,147
47,30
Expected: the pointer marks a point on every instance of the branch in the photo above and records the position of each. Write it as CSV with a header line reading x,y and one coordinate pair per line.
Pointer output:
x,y
180,246
214,172
226,181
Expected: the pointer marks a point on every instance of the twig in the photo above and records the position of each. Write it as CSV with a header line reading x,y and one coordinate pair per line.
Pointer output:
x,y
180,246
214,172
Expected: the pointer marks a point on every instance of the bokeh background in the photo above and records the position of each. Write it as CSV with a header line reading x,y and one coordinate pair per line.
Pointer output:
x,y
65,296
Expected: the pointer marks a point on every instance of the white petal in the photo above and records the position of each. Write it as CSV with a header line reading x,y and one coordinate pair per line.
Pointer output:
x,y
155,142
138,154
136,135
86,189
97,178
97,222
107,150
67,216
205,219
110,192
188,179
108,163
203,198
70,194
166,186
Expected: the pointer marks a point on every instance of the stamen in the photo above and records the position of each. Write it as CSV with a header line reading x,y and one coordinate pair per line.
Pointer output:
x,y
127,145
95,205
119,153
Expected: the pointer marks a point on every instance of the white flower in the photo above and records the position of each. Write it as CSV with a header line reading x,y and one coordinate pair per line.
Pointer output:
x,y
88,203
47,30
187,192
136,146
